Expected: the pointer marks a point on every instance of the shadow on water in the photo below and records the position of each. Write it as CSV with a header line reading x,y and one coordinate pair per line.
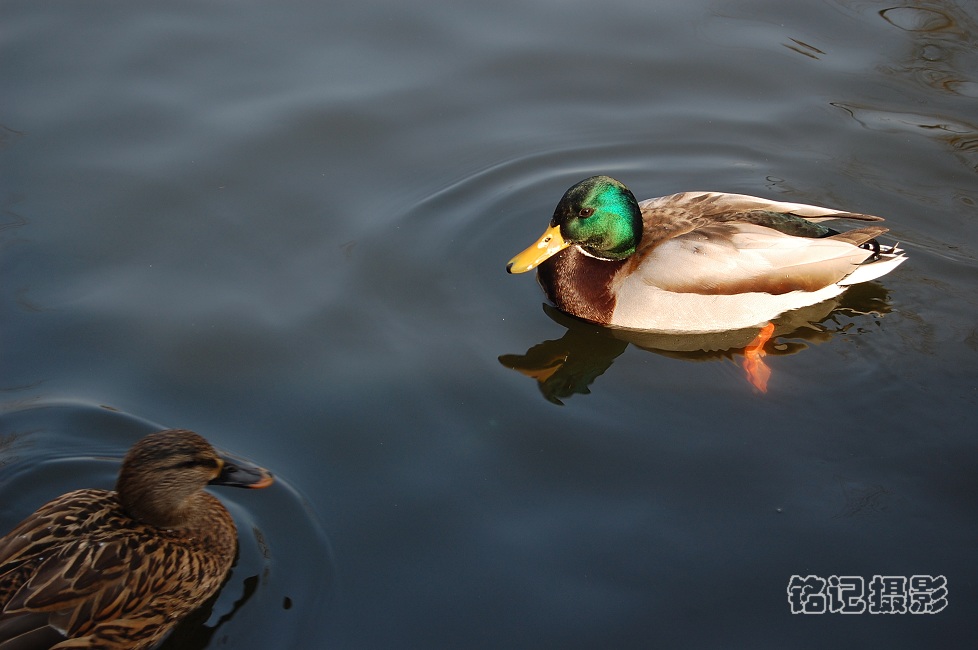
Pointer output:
x,y
570,364
193,632
283,576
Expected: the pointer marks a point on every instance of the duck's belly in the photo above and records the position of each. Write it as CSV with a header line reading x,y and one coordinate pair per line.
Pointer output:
x,y
642,306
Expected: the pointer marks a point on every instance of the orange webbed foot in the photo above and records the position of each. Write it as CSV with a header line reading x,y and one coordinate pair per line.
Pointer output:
x,y
757,371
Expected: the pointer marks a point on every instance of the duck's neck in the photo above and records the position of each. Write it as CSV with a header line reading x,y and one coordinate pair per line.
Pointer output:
x,y
580,284
161,508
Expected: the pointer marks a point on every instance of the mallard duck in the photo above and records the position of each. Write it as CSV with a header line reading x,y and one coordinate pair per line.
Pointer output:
x,y
696,261
118,569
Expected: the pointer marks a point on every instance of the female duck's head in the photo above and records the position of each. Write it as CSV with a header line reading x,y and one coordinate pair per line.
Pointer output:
x,y
164,472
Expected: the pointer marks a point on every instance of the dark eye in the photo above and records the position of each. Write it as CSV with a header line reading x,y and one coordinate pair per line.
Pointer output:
x,y
586,212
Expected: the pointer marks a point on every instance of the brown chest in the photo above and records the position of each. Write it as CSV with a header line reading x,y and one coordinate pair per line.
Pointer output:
x,y
580,285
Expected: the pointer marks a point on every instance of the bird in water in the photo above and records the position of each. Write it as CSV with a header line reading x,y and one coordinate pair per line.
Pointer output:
x,y
119,569
697,262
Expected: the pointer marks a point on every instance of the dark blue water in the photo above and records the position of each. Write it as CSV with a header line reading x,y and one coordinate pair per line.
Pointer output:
x,y
287,228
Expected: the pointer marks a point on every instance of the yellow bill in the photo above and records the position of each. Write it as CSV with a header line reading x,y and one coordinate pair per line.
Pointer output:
x,y
549,244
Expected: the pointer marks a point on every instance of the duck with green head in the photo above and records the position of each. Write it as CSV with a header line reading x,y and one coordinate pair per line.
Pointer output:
x,y
696,261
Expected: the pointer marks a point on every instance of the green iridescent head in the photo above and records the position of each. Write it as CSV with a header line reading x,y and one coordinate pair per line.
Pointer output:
x,y
600,215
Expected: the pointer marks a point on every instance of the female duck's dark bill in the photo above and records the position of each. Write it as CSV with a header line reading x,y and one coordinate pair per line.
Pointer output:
x,y
234,473
550,243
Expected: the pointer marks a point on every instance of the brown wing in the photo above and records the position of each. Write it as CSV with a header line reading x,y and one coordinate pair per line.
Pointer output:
x,y
675,215
710,204
61,519
79,563
80,583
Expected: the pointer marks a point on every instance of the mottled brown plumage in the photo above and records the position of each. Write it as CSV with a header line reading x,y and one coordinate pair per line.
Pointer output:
x,y
118,569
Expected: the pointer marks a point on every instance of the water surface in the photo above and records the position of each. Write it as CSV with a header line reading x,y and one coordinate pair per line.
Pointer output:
x,y
287,229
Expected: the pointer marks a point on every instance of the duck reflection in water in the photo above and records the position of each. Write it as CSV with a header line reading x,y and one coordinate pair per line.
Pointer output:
x,y
570,364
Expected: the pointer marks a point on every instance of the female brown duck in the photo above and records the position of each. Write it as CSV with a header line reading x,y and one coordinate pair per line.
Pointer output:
x,y
118,569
